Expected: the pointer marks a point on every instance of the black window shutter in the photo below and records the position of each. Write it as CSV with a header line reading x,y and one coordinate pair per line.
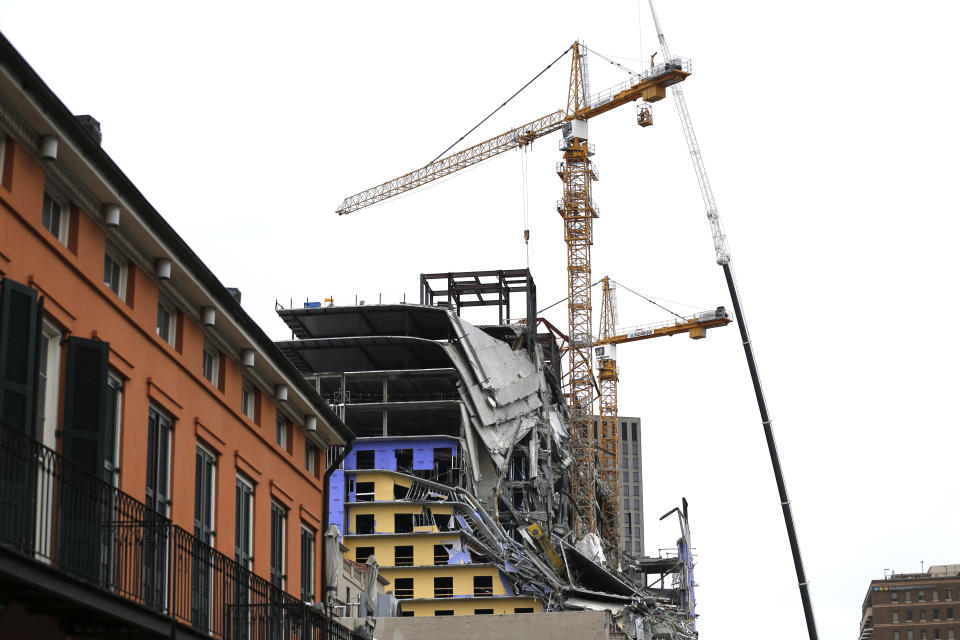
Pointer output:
x,y
20,314
152,430
85,403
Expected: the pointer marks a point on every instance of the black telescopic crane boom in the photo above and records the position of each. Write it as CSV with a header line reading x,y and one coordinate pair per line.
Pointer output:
x,y
723,259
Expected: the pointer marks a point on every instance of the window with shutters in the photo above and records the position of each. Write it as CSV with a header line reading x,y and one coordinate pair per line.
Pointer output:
x,y
156,525
278,551
310,463
167,320
20,326
48,385
283,438
115,273
211,363
247,405
159,428
55,215
308,543
202,561
112,429
243,540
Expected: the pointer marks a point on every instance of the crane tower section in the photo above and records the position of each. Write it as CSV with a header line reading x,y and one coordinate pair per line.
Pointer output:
x,y
578,211
608,450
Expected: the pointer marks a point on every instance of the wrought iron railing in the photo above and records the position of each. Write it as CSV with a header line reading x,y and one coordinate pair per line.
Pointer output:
x,y
56,513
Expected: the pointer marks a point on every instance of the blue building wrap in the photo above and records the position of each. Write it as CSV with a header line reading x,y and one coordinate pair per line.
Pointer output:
x,y
335,513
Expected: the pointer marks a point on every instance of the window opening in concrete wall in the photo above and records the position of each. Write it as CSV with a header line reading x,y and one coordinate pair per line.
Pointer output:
x,y
402,522
443,587
482,586
445,522
424,518
404,460
362,553
365,523
443,612
400,491
365,491
475,556
440,554
518,498
480,612
403,556
366,460
523,610
403,590
443,464
519,469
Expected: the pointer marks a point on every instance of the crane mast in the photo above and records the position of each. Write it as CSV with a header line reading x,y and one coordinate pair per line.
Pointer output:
x,y
608,449
578,211
723,259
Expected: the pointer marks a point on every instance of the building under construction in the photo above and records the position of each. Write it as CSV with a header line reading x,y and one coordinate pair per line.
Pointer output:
x,y
459,484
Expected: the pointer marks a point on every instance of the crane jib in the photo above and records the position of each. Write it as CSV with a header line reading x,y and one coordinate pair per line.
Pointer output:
x,y
650,86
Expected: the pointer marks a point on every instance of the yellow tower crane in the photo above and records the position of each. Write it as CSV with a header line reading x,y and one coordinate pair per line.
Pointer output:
x,y
608,447
578,210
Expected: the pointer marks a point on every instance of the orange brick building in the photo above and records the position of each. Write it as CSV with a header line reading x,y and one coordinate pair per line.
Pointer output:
x,y
182,455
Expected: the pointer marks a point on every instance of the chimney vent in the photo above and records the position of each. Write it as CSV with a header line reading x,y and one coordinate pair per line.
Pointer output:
x,y
92,126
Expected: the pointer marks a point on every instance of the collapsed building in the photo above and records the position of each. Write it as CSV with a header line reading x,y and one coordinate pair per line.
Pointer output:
x,y
459,482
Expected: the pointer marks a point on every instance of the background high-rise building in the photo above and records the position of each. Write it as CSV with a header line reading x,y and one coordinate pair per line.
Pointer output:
x,y
913,606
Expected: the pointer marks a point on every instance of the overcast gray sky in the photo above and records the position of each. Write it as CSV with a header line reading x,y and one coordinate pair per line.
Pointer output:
x,y
829,130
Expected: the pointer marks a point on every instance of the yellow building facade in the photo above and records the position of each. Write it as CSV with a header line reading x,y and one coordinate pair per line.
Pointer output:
x,y
421,536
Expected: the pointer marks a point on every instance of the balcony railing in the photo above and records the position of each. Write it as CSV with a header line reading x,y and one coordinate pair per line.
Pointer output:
x,y
56,513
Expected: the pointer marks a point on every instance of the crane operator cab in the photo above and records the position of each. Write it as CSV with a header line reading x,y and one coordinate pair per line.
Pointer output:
x,y
644,114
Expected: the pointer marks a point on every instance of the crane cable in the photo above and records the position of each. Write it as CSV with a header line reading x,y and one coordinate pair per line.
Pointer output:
x,y
529,82
619,284
648,299
526,204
